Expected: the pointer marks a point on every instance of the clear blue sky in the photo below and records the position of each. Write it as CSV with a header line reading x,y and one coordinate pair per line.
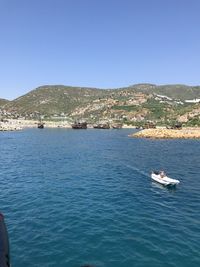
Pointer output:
x,y
97,43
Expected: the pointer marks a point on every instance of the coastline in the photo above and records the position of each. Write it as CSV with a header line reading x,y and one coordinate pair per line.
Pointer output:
x,y
163,133
20,124
125,126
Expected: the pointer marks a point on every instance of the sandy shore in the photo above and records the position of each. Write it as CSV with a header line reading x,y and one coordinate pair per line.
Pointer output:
x,y
163,133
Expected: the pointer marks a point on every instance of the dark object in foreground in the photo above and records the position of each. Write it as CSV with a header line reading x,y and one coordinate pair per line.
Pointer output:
x,y
4,244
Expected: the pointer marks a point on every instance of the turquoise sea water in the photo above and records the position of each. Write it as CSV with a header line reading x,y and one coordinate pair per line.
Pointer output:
x,y
75,197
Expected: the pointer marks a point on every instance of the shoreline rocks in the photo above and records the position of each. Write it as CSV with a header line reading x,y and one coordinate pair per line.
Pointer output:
x,y
163,133
19,124
9,128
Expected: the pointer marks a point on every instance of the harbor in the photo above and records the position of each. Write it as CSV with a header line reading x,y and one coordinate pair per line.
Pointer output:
x,y
20,124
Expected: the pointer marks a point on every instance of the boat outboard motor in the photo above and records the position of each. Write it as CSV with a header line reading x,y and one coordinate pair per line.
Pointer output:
x,y
4,244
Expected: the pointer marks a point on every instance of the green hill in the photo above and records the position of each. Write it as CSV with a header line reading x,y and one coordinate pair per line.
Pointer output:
x,y
132,104
49,100
3,102
175,91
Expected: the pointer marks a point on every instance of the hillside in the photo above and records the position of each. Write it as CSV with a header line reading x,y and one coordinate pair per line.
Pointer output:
x,y
3,102
134,104
175,91
50,100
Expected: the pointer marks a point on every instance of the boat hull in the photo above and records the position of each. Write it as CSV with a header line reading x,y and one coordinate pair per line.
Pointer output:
x,y
79,125
101,126
166,181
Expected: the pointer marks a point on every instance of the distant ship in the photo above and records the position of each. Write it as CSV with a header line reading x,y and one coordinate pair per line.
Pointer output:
x,y
40,125
102,126
117,126
177,126
149,125
79,125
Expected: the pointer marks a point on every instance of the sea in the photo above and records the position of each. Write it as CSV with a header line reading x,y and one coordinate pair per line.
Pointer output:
x,y
85,197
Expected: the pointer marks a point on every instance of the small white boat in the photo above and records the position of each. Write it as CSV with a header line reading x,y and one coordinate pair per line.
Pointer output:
x,y
161,178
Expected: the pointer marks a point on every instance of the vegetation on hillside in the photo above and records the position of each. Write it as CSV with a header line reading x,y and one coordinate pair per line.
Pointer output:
x,y
135,104
3,102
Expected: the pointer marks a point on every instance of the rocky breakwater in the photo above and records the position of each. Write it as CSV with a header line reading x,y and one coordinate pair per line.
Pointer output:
x,y
162,133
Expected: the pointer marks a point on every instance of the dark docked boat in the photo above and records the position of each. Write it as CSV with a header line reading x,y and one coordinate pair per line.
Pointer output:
x,y
175,126
149,125
79,125
117,126
41,125
101,126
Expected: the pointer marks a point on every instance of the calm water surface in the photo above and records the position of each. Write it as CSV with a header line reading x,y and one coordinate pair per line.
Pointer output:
x,y
75,197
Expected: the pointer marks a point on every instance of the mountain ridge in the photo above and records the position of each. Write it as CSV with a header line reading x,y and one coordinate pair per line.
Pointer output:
x,y
134,103
135,86
3,101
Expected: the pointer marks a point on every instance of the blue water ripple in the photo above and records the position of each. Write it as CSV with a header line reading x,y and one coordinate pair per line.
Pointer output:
x,y
77,197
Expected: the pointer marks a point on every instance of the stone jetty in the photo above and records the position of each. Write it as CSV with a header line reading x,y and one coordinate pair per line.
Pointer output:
x,y
163,133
